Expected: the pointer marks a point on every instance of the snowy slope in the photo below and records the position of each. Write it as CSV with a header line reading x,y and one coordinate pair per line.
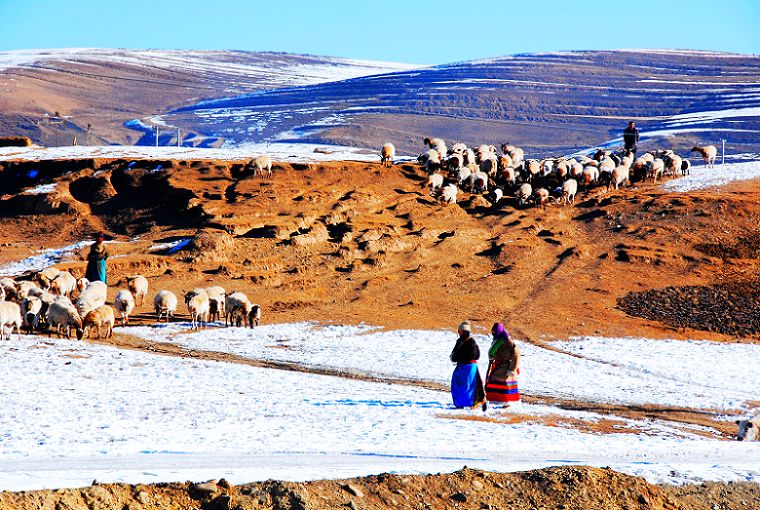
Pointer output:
x,y
136,417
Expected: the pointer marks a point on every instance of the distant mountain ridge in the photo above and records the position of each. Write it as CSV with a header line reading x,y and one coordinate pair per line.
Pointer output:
x,y
549,103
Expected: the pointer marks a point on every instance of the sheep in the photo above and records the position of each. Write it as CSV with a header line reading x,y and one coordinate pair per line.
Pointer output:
x,y
656,168
504,161
215,302
435,182
576,170
532,168
254,316
10,317
82,284
497,195
708,153
436,144
508,174
685,167
430,159
606,165
523,194
489,166
198,305
449,194
516,153
9,287
569,189
97,318
63,284
749,430
454,162
469,157
672,163
541,196
261,163
458,148
45,277
237,308
619,176
93,296
30,311
165,302
138,286
62,316
478,181
547,167
47,299
27,288
123,304
387,153
463,174
590,176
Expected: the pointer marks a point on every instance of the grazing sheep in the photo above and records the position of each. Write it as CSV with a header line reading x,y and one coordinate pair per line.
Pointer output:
x,y
590,176
619,177
454,162
436,144
123,304
237,308
165,303
62,316
9,287
261,163
532,168
30,310
82,284
198,306
469,157
63,284
430,159
92,297
254,316
569,189
489,166
516,153
478,181
672,163
435,182
606,165
541,197
463,174
47,299
508,174
685,167
138,286
504,161
216,296
449,194
45,277
101,316
27,288
10,317
749,430
458,148
708,153
387,153
656,168
523,194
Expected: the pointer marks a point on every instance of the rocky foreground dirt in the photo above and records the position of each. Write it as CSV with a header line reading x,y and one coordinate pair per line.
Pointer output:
x,y
561,488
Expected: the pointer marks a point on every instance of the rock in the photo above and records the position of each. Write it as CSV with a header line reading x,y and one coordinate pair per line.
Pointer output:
x,y
205,488
224,483
142,497
477,485
353,490
459,496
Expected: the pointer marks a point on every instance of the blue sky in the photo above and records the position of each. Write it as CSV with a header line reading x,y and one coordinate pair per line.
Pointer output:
x,y
416,31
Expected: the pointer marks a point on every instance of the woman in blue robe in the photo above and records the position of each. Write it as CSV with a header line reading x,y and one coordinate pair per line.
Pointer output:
x,y
96,261
466,384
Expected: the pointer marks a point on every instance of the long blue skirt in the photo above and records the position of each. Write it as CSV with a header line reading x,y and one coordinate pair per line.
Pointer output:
x,y
96,270
466,385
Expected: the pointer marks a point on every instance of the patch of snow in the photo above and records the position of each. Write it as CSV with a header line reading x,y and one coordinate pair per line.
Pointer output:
x,y
44,259
42,189
171,247
719,175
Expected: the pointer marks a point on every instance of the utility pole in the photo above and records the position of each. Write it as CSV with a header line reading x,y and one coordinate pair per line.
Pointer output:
x,y
723,156
179,140
156,136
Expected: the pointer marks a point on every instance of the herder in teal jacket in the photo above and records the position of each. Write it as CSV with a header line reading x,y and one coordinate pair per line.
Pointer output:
x,y
96,260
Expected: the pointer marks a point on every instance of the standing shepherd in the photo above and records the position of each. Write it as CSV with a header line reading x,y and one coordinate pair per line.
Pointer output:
x,y
631,138
466,384
96,260
503,367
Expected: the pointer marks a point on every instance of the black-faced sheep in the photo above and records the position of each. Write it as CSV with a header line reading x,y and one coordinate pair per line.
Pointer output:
x,y
749,430
708,153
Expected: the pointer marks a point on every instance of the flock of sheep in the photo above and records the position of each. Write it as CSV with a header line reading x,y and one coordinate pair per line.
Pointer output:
x,y
56,301
484,169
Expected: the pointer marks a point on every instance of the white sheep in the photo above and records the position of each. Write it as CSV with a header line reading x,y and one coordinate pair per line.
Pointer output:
x,y
523,194
198,306
708,153
10,288
463,174
63,284
216,297
26,289
237,309
590,175
97,318
478,181
489,166
31,307
62,316
516,153
261,163
165,303
469,157
138,286
508,174
10,317
541,196
569,189
449,194
673,163
454,162
435,182
619,177
655,168
123,304
82,284
458,148
436,144
92,297
45,277
497,195
532,168
749,430
387,153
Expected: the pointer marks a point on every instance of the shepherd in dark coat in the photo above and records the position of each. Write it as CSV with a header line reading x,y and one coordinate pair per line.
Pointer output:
x,y
631,137
466,384
96,260
503,367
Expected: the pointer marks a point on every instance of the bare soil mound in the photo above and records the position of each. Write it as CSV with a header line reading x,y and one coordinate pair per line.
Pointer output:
x,y
556,488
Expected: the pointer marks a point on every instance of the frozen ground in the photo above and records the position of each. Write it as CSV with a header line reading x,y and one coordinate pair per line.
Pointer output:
x,y
43,259
719,175
99,412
